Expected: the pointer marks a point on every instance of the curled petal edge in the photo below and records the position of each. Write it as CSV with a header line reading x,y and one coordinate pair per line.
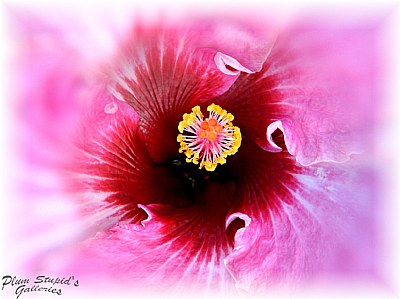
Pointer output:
x,y
293,148
239,233
144,224
232,217
288,137
241,243
272,127
222,61
148,212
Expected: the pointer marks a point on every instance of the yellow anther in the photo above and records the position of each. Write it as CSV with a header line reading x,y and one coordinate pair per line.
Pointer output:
x,y
209,141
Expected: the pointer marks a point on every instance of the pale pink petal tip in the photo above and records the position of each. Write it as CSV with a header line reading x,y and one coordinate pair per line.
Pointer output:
x,y
272,127
111,108
224,61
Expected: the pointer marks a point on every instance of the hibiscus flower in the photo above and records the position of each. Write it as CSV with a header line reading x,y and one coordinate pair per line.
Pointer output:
x,y
213,155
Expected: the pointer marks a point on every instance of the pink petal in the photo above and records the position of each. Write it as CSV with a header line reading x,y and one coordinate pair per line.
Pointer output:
x,y
113,171
302,224
319,83
174,249
162,75
248,42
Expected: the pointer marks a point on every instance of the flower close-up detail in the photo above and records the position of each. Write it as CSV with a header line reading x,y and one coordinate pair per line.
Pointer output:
x,y
202,154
